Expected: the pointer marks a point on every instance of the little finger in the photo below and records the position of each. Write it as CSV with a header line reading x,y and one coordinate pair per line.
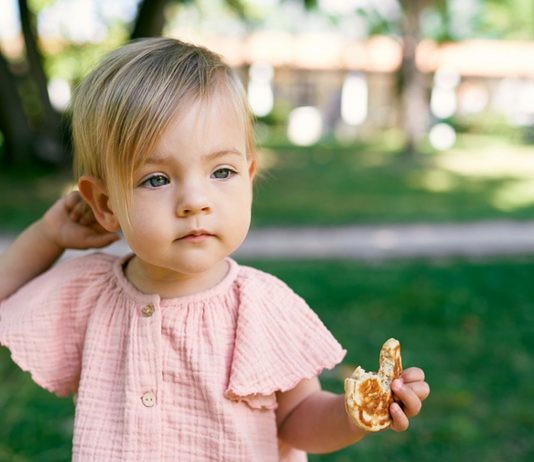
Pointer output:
x,y
400,420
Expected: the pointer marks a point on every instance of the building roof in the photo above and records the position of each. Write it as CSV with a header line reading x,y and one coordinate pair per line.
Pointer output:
x,y
327,51
480,57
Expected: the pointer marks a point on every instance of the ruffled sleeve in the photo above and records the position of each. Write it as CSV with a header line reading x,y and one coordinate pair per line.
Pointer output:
x,y
279,341
43,323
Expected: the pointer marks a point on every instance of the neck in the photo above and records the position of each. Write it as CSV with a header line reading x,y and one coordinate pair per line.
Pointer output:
x,y
169,284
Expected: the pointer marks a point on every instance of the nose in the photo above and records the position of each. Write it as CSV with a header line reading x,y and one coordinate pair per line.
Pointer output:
x,y
193,201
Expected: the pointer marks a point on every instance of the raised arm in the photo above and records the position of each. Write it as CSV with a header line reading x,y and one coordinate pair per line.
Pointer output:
x,y
67,224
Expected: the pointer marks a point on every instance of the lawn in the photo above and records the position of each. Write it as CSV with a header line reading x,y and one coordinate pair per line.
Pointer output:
x,y
483,178
330,185
468,324
26,194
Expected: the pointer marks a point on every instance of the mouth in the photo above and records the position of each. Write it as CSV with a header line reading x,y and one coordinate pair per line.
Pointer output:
x,y
197,235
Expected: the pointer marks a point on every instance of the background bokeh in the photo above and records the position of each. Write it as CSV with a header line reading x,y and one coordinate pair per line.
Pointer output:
x,y
367,112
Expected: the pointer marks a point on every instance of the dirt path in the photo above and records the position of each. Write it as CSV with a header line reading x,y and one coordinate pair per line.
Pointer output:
x,y
381,242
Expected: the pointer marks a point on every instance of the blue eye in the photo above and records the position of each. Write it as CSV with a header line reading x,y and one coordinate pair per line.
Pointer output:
x,y
223,173
155,181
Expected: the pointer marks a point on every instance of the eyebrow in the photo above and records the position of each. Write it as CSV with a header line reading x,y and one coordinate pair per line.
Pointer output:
x,y
208,156
221,153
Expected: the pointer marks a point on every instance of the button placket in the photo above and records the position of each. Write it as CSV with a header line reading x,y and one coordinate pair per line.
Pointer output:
x,y
142,387
148,311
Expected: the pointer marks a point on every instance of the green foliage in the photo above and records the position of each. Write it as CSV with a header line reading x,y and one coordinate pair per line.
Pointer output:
x,y
76,60
508,19
38,5
445,20
377,23
310,3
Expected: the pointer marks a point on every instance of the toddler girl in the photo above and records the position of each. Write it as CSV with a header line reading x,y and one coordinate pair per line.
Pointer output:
x,y
174,352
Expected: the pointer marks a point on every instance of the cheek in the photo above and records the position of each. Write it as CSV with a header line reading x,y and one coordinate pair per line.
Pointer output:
x,y
233,208
145,225
241,214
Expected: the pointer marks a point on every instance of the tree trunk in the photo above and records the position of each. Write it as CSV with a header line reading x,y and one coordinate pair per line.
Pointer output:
x,y
150,19
412,89
14,125
49,145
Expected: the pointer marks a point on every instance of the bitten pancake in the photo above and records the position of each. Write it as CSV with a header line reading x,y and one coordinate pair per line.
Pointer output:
x,y
368,395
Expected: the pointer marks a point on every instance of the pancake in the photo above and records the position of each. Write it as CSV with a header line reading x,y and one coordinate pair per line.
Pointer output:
x,y
368,395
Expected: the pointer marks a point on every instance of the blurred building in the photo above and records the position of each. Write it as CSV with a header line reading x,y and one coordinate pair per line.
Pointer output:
x,y
353,84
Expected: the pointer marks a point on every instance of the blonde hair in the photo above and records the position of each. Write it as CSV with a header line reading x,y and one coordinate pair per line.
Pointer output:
x,y
123,106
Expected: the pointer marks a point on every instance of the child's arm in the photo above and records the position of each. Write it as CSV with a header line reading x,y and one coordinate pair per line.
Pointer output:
x,y
316,421
67,224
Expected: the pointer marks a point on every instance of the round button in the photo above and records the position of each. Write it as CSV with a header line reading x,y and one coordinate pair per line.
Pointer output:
x,y
148,310
148,399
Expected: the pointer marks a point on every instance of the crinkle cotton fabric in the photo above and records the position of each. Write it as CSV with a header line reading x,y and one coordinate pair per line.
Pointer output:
x,y
185,379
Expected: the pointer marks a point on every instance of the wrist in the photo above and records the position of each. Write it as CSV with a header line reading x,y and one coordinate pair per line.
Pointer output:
x,y
353,427
44,227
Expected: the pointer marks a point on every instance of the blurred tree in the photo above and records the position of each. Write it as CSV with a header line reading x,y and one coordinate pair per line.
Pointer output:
x,y
150,18
29,133
452,20
32,129
411,89
13,121
47,138
512,19
412,92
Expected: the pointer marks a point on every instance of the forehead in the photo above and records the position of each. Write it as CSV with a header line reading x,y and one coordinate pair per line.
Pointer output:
x,y
204,125
222,100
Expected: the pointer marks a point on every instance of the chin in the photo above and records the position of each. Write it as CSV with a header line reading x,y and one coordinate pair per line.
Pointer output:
x,y
197,266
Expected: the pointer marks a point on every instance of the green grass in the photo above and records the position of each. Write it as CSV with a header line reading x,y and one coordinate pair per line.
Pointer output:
x,y
469,325
36,425
331,185
334,185
25,194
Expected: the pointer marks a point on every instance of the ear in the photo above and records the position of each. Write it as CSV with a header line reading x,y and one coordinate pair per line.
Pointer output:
x,y
252,169
95,193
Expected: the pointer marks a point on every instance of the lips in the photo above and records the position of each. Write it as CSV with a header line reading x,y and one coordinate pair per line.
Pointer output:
x,y
197,235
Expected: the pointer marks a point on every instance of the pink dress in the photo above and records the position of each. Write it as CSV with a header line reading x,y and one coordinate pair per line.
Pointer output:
x,y
186,379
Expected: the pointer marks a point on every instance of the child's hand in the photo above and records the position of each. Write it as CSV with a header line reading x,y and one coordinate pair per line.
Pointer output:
x,y
70,224
411,390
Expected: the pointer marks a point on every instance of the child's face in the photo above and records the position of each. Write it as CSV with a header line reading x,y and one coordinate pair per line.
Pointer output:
x,y
191,202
